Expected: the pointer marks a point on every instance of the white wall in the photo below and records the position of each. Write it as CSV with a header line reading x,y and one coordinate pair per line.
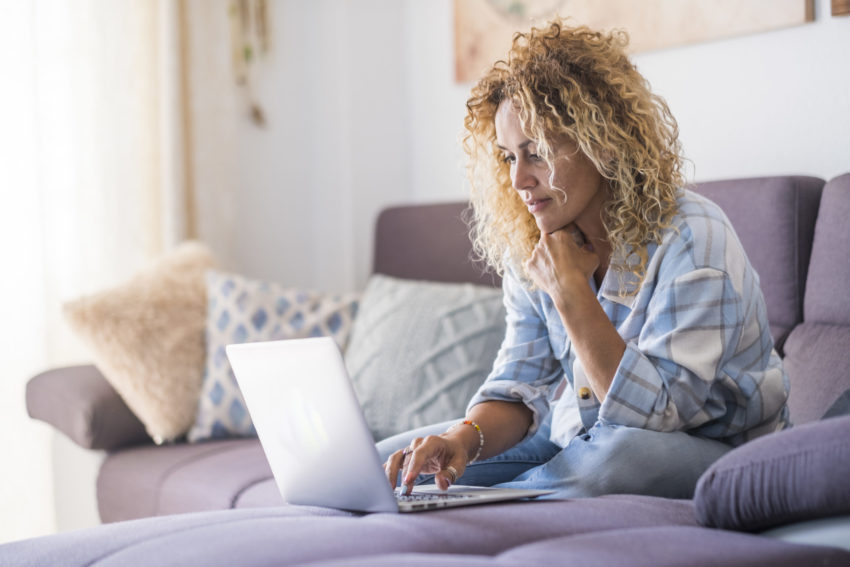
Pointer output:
x,y
772,103
364,111
294,202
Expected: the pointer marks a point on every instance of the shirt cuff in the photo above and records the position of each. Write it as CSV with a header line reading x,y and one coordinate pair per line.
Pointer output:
x,y
637,396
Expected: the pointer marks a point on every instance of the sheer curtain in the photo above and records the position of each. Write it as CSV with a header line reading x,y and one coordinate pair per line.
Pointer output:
x,y
93,184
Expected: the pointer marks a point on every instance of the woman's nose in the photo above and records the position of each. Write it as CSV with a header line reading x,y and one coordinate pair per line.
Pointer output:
x,y
522,177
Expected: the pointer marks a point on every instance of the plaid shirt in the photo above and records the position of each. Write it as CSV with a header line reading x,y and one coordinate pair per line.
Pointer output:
x,y
699,356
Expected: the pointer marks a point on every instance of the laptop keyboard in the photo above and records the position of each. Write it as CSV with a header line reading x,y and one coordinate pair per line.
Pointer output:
x,y
430,497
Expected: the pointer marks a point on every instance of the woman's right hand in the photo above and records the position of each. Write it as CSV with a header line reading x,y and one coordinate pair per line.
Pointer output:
x,y
442,455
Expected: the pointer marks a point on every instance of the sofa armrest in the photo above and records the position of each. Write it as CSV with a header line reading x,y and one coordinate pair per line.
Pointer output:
x,y
79,402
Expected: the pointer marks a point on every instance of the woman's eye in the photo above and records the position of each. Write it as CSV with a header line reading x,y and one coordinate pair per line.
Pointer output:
x,y
508,159
535,157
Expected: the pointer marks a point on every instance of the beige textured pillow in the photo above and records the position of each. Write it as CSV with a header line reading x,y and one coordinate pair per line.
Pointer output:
x,y
147,337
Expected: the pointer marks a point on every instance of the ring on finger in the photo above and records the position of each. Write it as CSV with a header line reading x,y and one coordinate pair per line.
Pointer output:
x,y
452,472
406,452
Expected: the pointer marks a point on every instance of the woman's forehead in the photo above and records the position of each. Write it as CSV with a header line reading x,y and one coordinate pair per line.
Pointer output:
x,y
509,129
508,125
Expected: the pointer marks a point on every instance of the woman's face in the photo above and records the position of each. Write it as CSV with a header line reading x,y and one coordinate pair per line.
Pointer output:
x,y
573,173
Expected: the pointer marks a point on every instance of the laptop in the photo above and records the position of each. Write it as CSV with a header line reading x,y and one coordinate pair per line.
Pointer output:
x,y
315,435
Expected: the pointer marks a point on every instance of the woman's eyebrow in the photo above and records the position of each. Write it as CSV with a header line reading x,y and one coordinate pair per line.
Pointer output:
x,y
521,146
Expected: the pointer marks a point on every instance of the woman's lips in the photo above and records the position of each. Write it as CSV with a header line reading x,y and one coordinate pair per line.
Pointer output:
x,y
537,205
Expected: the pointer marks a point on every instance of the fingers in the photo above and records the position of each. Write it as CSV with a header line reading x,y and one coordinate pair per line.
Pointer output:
x,y
428,455
549,244
406,478
400,462
544,256
412,466
395,465
449,475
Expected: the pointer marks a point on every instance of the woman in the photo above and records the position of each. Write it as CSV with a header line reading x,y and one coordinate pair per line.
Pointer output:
x,y
637,349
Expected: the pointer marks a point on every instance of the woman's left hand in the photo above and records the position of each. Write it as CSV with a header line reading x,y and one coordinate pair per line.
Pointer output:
x,y
560,261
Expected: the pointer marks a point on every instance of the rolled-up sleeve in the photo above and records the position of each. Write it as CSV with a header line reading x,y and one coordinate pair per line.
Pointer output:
x,y
525,369
672,377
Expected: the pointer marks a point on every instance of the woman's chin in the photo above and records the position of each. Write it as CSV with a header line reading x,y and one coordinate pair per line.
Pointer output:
x,y
548,226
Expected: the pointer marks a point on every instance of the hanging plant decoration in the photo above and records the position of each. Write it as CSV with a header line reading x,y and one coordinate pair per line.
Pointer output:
x,y
249,35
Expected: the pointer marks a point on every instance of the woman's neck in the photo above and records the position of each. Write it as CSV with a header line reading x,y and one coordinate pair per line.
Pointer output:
x,y
603,250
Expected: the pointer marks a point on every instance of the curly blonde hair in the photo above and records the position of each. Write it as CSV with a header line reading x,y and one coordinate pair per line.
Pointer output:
x,y
579,83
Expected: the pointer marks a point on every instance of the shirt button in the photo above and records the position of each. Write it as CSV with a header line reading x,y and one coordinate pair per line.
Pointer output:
x,y
584,393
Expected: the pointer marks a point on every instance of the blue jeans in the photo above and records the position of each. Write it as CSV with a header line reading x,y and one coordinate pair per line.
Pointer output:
x,y
607,459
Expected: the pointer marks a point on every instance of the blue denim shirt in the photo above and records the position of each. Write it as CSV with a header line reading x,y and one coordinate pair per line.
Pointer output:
x,y
699,355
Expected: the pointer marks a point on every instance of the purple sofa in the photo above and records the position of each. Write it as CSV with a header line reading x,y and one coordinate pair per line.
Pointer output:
x,y
783,499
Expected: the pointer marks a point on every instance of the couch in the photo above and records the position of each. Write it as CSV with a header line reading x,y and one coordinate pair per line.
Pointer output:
x,y
783,499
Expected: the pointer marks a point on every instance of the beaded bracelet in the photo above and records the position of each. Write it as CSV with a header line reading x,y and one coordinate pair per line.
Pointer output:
x,y
480,437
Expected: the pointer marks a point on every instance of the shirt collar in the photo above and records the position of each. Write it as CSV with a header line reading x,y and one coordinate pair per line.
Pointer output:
x,y
615,280
610,288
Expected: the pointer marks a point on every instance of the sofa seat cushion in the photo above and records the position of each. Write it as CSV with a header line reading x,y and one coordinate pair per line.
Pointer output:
x,y
612,530
666,546
169,479
671,546
294,535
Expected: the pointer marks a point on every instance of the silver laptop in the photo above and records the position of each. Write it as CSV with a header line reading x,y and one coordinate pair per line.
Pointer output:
x,y
315,435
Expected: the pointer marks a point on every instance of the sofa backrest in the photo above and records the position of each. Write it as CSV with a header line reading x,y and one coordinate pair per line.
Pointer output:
x,y
775,219
817,352
427,242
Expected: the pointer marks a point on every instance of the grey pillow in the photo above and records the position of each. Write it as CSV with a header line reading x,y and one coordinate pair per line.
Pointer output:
x,y
790,476
420,350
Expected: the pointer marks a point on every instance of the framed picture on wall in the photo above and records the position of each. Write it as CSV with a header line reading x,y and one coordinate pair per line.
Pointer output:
x,y
483,28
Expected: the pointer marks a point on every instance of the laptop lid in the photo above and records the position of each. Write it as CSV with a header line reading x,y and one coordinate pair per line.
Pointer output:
x,y
315,435
310,424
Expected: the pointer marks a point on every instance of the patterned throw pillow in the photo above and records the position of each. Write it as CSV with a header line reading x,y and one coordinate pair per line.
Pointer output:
x,y
420,350
241,310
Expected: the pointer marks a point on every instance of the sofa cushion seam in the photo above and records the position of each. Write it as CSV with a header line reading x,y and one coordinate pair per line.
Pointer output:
x,y
247,487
